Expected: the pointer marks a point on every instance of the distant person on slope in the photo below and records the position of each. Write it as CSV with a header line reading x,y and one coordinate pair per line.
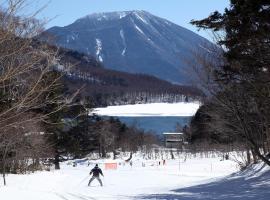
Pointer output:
x,y
96,171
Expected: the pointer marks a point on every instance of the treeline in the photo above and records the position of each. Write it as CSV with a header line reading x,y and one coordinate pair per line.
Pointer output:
x,y
89,134
99,99
237,110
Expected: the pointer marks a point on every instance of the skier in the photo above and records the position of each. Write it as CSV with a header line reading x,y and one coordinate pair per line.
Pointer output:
x,y
96,171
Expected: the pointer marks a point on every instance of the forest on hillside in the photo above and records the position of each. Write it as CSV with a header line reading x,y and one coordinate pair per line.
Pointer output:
x,y
105,87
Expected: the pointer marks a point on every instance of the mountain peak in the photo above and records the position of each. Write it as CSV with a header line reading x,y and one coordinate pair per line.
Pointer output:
x,y
115,15
133,41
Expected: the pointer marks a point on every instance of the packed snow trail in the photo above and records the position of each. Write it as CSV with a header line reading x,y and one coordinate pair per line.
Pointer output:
x,y
126,182
193,179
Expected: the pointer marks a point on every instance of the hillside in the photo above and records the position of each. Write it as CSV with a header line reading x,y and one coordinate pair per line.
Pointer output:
x,y
104,87
134,42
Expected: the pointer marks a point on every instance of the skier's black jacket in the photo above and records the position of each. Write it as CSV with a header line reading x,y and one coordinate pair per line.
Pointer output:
x,y
96,171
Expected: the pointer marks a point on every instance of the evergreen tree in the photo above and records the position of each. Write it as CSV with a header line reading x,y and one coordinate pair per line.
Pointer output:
x,y
246,40
242,102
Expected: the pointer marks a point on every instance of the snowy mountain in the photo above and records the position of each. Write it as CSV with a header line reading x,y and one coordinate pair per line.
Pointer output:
x,y
133,41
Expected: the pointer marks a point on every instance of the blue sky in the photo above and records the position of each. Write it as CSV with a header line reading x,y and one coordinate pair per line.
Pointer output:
x,y
64,12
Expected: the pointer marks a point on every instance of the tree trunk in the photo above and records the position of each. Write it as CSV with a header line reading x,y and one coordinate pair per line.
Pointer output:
x,y
103,152
264,159
172,156
4,178
114,154
4,172
255,159
57,161
130,157
4,166
248,157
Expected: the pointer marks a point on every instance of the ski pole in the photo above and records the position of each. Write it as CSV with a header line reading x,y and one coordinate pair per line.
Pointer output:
x,y
83,180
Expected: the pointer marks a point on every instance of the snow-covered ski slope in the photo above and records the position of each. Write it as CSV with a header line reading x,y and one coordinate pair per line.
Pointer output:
x,y
193,179
153,109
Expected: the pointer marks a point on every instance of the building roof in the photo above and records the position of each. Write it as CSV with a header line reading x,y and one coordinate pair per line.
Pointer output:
x,y
174,140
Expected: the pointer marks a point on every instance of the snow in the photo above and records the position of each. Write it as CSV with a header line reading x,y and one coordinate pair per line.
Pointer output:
x,y
99,46
140,18
192,178
99,49
72,37
100,58
122,35
173,133
60,67
168,22
99,16
122,14
264,7
154,109
140,30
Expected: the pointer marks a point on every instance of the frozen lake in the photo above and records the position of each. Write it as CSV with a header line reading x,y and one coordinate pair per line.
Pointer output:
x,y
156,117
158,125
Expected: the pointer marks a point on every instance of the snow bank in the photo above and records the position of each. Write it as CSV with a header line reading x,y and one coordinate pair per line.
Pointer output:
x,y
154,109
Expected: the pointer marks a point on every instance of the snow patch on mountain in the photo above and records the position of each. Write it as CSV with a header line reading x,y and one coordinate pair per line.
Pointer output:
x,y
140,30
122,14
140,18
71,37
99,49
122,35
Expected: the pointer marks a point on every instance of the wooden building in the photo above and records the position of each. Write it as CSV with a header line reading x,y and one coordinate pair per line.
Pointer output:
x,y
174,140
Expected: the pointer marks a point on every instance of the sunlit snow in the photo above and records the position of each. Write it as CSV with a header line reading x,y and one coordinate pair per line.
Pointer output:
x,y
185,178
154,109
141,18
140,30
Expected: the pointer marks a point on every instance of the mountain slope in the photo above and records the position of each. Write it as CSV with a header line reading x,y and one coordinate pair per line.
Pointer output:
x,y
132,41
104,87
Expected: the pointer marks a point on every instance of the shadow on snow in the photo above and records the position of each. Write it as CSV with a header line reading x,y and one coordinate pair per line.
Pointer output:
x,y
241,186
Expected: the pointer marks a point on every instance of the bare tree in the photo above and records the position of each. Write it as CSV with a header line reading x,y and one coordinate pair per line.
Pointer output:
x,y
27,84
